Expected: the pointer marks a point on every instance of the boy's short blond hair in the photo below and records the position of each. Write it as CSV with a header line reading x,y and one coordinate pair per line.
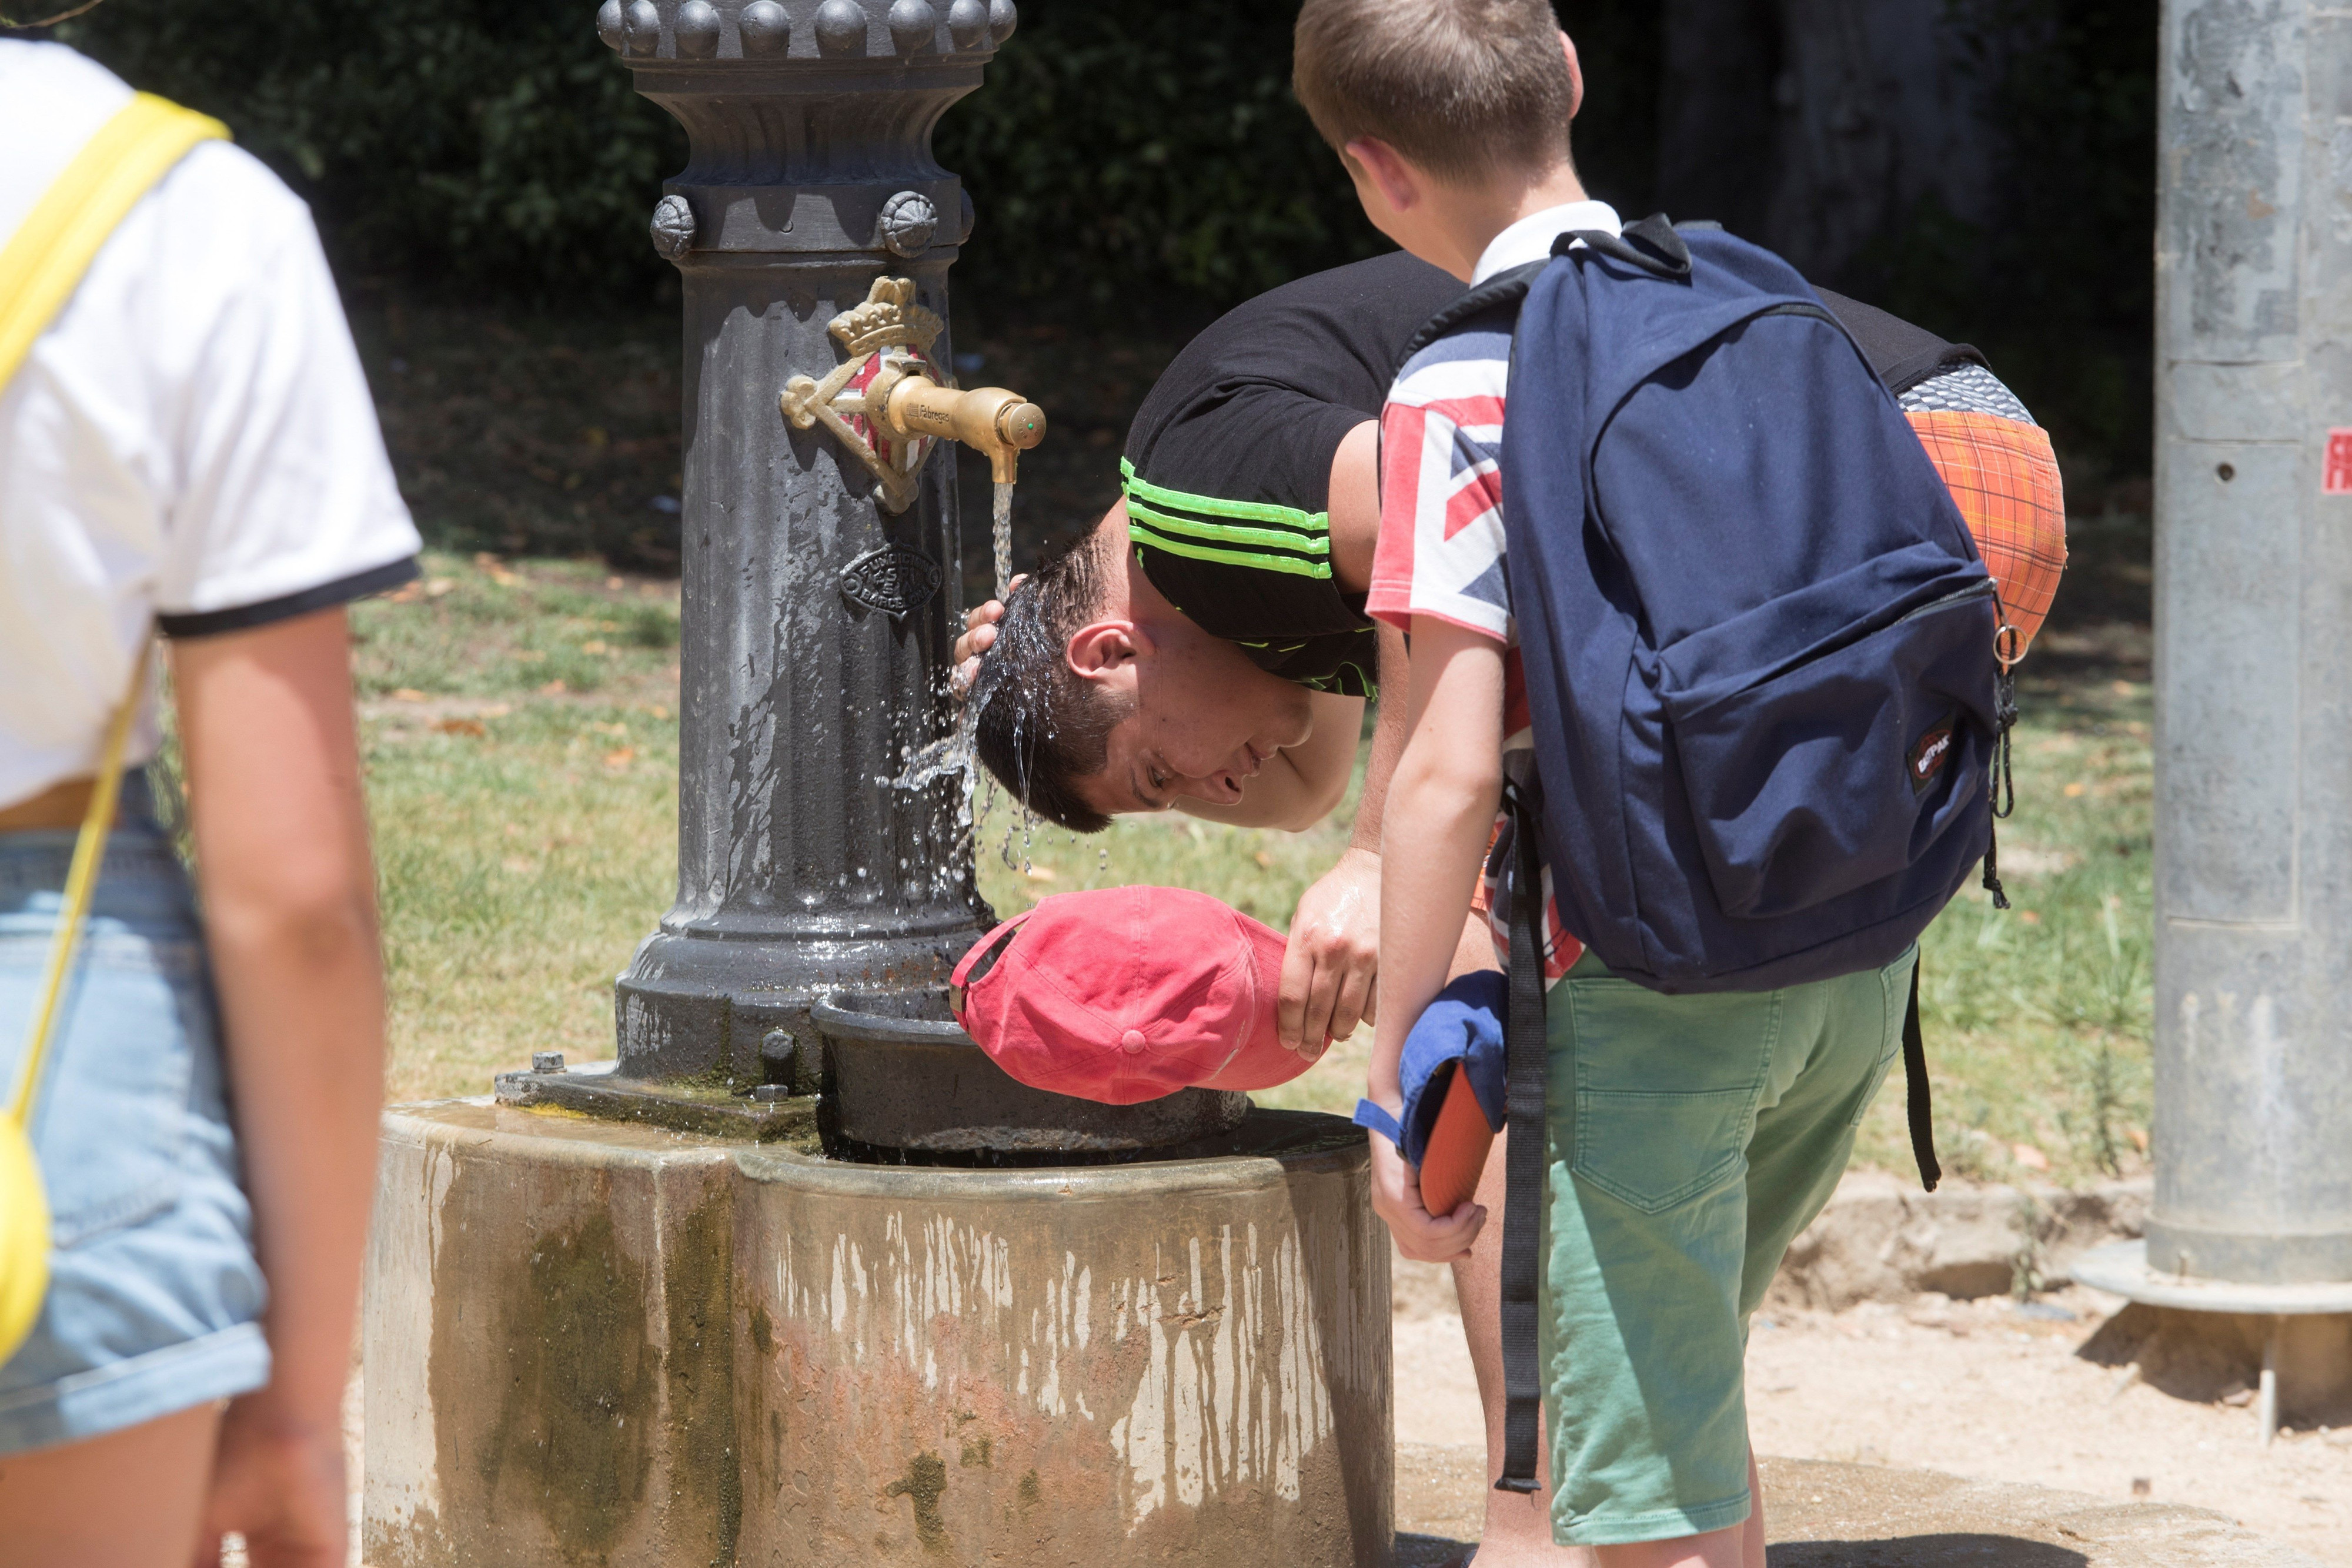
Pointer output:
x,y
1467,88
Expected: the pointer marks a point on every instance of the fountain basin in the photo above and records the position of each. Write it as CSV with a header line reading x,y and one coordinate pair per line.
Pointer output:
x,y
903,1075
596,1341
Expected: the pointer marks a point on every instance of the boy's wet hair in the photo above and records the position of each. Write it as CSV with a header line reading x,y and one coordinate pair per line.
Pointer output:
x,y
1467,88
1038,725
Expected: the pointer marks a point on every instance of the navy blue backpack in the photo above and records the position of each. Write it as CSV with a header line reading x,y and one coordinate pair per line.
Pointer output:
x,y
1758,645
1756,634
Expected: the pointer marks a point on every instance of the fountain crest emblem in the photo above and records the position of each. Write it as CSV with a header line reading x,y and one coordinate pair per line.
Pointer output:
x,y
888,339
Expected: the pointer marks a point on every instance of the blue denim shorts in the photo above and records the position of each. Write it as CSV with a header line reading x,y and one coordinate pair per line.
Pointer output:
x,y
155,1298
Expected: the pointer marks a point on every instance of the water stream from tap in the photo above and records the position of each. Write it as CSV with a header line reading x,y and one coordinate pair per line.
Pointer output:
x,y
1002,520
952,755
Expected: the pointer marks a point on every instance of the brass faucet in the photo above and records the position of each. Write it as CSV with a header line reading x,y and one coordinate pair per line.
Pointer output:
x,y
888,401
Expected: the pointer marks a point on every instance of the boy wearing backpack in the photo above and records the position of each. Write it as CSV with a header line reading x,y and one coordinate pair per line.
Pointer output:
x,y
1756,667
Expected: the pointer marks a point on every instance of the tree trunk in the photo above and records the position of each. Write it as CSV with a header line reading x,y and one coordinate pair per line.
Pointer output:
x,y
1716,118
1815,126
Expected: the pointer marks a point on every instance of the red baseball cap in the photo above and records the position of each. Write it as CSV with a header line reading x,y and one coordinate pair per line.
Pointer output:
x,y
1128,993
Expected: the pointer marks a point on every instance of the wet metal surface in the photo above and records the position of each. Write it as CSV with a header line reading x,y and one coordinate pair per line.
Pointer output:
x,y
802,870
904,1076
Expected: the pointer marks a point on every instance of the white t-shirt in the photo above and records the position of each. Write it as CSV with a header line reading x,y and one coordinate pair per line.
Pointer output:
x,y
191,439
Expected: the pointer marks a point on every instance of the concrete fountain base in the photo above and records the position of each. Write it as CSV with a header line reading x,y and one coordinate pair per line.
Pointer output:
x,y
593,1341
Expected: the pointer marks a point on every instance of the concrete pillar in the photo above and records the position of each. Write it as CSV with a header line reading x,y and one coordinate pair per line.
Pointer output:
x,y
2253,666
549,1338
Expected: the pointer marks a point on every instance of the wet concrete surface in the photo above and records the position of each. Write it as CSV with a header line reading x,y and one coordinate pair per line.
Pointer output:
x,y
1826,1515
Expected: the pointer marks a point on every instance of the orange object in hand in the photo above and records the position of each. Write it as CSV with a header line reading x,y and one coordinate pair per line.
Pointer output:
x,y
1458,1143
1454,1048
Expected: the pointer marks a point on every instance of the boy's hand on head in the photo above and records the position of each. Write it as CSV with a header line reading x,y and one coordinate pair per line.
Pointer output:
x,y
1332,960
1420,1234
979,637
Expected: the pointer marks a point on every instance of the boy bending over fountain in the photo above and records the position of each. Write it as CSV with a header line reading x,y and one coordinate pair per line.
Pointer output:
x,y
1205,647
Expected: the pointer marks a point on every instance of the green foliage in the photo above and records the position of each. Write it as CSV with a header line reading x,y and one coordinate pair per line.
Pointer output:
x,y
493,146
1116,151
1155,148
2060,291
1126,153
2073,259
1622,47
1120,149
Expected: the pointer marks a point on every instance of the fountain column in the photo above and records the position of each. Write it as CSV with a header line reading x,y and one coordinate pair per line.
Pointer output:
x,y
816,622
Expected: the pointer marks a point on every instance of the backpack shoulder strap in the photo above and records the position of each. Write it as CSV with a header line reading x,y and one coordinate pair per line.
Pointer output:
x,y
1502,289
44,261
1524,1157
1650,243
1903,355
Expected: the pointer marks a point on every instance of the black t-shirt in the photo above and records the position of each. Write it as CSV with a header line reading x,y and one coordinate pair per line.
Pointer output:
x,y
1228,464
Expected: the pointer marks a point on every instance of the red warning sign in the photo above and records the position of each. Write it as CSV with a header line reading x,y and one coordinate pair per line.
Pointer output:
x,y
2335,477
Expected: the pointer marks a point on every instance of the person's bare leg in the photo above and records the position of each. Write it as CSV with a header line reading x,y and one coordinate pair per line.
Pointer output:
x,y
1517,1528
1752,1547
1738,1546
132,1499
1725,1547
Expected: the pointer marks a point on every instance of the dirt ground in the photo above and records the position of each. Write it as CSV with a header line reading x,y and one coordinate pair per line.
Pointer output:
x,y
1979,1389
1976,1389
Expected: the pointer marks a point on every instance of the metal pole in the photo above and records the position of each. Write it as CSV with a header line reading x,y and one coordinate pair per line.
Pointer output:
x,y
2253,1210
2253,662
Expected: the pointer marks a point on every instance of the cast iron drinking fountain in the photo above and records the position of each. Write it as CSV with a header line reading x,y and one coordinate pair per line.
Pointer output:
x,y
800,1277
826,886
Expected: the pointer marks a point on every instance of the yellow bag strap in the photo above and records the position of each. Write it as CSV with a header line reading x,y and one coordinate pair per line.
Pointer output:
x,y
44,261
41,265
81,885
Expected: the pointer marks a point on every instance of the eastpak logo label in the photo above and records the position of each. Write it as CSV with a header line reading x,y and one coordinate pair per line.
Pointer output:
x,y
1929,753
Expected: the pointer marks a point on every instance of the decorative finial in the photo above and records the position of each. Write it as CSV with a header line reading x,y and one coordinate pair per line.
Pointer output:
x,y
673,226
914,25
764,28
908,222
840,27
696,30
641,28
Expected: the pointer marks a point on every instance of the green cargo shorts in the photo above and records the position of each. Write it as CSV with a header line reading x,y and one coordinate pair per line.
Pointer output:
x,y
1691,1138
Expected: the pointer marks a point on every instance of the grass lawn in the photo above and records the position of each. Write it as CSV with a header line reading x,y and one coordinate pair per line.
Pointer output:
x,y
521,760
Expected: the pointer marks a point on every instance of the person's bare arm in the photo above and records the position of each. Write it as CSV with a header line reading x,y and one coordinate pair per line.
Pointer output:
x,y
1387,741
1331,969
1447,783
288,894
